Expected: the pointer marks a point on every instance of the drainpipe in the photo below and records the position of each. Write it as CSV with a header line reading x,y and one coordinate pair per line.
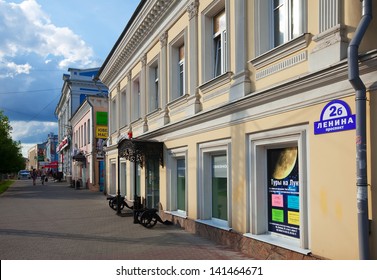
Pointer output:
x,y
361,143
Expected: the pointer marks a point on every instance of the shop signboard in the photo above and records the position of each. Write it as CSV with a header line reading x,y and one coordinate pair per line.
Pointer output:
x,y
283,191
101,132
335,116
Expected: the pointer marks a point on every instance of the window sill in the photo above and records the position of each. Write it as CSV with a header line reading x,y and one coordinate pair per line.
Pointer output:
x,y
279,241
215,224
178,101
281,51
216,82
180,214
154,113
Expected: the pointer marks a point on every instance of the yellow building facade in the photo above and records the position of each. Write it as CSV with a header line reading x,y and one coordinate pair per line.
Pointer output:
x,y
252,102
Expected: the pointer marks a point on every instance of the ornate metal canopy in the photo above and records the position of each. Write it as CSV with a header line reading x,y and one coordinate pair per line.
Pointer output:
x,y
79,157
136,150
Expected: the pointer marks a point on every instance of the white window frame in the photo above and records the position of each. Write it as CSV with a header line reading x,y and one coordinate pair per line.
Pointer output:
x,y
154,85
208,56
206,151
264,24
123,107
220,51
174,64
89,134
173,156
113,114
258,145
136,99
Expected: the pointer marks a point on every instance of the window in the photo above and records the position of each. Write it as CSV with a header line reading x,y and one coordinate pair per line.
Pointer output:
x,y
154,87
286,18
278,190
123,111
219,184
178,66
215,184
88,131
215,38
181,184
219,43
181,71
112,181
278,22
84,132
177,181
113,114
136,100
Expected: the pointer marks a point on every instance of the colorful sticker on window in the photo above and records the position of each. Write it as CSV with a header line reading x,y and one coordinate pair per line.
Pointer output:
x,y
283,191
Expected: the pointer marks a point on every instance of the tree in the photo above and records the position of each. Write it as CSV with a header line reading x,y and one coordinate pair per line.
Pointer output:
x,y
11,159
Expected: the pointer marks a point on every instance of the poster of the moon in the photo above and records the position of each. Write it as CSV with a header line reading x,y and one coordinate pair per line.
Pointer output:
x,y
283,191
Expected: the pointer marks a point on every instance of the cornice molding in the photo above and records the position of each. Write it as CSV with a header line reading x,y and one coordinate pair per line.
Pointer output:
x,y
325,78
148,19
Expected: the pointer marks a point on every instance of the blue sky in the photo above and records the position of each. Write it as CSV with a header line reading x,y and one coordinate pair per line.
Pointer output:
x,y
39,41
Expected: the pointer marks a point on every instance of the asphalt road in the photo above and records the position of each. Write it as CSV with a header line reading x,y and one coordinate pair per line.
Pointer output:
x,y
57,222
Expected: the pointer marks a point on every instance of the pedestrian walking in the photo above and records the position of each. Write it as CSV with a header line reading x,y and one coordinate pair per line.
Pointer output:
x,y
34,175
43,176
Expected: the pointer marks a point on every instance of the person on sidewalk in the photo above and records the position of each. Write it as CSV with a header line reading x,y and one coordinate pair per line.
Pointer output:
x,y
43,176
34,176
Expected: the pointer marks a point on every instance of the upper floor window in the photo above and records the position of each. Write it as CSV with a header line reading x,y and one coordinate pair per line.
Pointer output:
x,y
219,43
178,66
215,38
84,132
136,100
88,131
287,17
113,111
124,109
153,91
181,71
278,22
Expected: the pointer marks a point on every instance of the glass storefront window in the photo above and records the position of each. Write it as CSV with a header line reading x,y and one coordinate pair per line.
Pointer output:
x,y
219,187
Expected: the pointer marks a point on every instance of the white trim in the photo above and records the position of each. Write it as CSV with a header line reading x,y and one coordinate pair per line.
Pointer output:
x,y
172,156
206,150
207,37
257,198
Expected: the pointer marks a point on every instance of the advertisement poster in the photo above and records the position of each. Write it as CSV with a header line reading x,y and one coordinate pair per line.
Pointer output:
x,y
283,191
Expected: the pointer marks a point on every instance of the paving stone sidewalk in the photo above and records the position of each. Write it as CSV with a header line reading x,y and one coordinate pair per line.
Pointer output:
x,y
56,222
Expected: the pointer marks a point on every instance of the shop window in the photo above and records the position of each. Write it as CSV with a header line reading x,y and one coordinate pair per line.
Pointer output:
x,y
177,181
278,189
215,184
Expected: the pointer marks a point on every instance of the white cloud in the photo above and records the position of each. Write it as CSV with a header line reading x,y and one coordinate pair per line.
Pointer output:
x,y
33,131
27,30
14,69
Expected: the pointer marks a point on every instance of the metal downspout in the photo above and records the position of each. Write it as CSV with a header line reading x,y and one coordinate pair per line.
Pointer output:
x,y
361,143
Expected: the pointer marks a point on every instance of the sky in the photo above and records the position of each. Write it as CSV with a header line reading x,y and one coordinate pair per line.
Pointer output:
x,y
39,41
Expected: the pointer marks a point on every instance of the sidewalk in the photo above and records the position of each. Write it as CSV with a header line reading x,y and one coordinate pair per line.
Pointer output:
x,y
57,222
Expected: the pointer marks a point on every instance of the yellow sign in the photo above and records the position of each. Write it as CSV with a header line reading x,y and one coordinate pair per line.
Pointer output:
x,y
101,131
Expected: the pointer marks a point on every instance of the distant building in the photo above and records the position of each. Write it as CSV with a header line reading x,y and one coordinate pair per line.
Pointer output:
x,y
77,85
36,156
89,133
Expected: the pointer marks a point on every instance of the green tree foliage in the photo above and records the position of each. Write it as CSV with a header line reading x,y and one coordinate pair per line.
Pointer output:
x,y
11,159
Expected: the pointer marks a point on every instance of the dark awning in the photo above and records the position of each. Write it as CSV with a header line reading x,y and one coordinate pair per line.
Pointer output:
x,y
79,157
136,150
